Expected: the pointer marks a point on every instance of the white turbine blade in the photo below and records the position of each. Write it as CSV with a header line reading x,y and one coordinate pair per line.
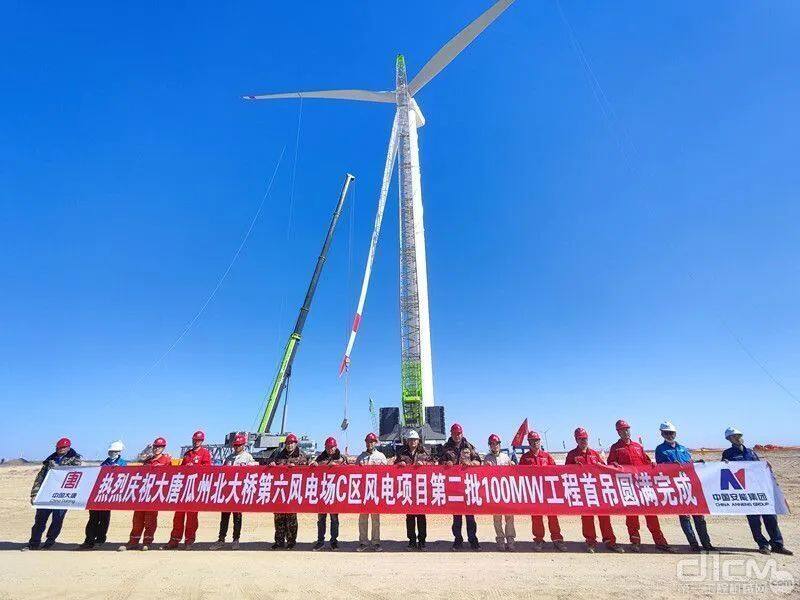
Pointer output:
x,y
362,95
454,47
391,154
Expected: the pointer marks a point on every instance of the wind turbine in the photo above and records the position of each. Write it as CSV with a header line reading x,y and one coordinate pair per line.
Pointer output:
x,y
416,359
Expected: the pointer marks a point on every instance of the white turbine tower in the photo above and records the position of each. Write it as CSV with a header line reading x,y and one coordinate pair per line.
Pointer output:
x,y
416,360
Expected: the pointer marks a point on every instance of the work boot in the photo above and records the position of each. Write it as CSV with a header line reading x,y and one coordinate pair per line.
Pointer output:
x,y
170,545
590,548
695,547
290,546
636,548
538,545
615,548
377,548
144,548
278,545
421,546
235,545
457,546
318,546
128,546
510,546
475,546
85,546
665,548
187,546
709,548
362,548
334,545
560,546
218,545
48,544
28,547
764,550
782,550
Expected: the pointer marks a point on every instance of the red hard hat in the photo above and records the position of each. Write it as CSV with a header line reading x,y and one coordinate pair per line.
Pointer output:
x,y
581,434
291,438
159,441
622,424
534,435
239,439
63,443
456,428
330,443
494,439
199,435
371,437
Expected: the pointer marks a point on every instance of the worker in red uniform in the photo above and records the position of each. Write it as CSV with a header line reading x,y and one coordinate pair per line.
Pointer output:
x,y
627,452
538,457
146,521
196,456
583,455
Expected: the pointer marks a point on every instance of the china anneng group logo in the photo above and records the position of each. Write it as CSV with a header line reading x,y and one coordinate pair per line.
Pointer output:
x,y
729,480
71,480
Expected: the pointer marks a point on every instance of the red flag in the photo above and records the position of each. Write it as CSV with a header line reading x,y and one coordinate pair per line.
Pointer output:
x,y
519,437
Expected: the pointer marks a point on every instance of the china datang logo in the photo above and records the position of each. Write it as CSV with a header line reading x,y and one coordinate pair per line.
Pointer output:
x,y
71,480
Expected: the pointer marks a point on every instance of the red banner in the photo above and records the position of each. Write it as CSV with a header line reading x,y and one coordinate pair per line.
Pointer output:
x,y
528,490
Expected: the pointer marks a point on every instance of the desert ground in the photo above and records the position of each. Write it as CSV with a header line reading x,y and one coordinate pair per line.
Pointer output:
x,y
255,571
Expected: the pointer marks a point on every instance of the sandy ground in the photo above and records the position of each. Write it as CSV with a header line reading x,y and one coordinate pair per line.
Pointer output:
x,y
257,572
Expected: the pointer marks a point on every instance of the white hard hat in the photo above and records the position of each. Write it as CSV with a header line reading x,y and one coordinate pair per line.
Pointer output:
x,y
667,426
117,446
732,431
412,435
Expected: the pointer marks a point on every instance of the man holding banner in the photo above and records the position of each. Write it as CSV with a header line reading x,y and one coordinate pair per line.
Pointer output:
x,y
146,521
185,523
370,456
63,456
239,457
538,457
99,520
286,523
457,450
627,452
738,452
583,455
503,537
670,451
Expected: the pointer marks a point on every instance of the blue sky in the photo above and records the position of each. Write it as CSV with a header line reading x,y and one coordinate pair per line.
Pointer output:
x,y
594,252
